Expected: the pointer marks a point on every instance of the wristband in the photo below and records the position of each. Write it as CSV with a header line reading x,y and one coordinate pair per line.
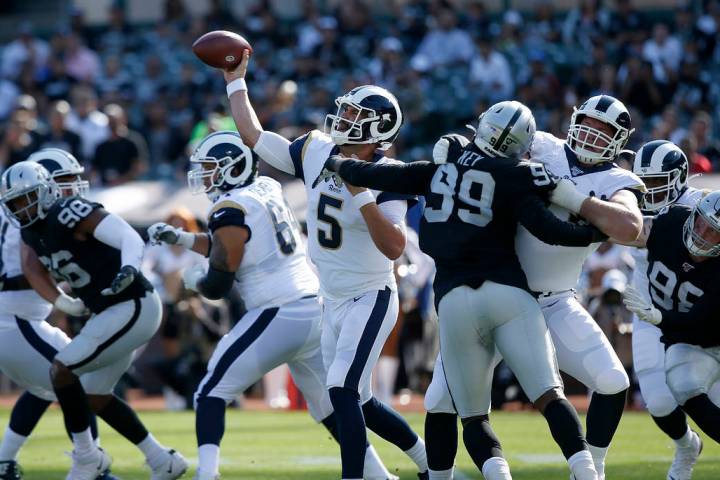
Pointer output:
x,y
235,86
185,239
363,198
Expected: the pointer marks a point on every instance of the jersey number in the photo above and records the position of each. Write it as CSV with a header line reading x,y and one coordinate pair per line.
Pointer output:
x,y
332,240
63,269
474,206
662,287
285,226
74,212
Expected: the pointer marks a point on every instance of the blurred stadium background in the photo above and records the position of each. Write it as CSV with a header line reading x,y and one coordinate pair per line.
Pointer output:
x,y
115,83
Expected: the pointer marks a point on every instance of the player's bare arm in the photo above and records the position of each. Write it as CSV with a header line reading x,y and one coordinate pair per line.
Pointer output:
x,y
388,237
618,217
641,240
226,254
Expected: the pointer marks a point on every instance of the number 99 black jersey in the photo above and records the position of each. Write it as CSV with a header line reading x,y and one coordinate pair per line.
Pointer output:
x,y
85,263
686,292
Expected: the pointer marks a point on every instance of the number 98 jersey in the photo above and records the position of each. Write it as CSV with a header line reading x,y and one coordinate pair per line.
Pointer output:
x,y
85,263
274,269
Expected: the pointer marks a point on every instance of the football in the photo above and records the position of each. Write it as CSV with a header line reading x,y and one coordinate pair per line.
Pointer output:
x,y
221,49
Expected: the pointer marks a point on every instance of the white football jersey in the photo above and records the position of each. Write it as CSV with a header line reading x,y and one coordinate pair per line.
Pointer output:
x,y
551,268
26,304
348,262
274,270
690,197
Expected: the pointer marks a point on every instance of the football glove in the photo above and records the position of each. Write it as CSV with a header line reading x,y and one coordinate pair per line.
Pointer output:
x,y
645,311
70,305
449,147
567,196
193,275
326,173
122,280
160,233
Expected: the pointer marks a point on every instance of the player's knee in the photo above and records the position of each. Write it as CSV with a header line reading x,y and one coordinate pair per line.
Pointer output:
x,y
437,400
612,381
549,396
660,404
61,375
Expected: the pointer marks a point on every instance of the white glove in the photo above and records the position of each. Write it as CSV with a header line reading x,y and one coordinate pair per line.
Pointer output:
x,y
192,275
567,196
70,305
640,307
160,233
440,151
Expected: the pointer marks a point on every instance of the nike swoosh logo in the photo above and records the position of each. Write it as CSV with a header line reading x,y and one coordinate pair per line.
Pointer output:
x,y
355,299
218,214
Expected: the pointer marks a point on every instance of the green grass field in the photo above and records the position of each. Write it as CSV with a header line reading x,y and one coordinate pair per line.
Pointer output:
x,y
280,445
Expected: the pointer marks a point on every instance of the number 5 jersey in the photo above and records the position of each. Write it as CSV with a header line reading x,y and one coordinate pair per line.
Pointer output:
x,y
274,269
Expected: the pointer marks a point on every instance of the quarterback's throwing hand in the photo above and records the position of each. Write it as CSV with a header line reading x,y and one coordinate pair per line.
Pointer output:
x,y
122,280
641,307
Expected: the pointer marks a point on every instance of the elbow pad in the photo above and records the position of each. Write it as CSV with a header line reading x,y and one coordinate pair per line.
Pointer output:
x,y
216,284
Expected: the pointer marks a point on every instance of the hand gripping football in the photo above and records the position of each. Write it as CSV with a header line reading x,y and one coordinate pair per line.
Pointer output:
x,y
221,49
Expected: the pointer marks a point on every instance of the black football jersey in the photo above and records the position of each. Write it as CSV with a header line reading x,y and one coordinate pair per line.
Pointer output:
x,y
473,206
86,264
686,293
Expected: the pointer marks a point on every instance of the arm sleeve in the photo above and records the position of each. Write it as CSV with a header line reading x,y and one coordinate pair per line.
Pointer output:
x,y
409,178
275,151
216,284
532,214
114,231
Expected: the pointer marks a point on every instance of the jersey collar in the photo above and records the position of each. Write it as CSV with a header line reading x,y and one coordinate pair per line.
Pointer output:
x,y
578,169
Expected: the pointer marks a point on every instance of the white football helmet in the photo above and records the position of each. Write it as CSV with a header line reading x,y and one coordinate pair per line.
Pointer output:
x,y
377,117
592,146
231,164
505,130
27,192
701,231
60,163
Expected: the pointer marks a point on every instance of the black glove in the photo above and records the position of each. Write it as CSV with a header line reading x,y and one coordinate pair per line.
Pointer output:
x,y
328,170
122,280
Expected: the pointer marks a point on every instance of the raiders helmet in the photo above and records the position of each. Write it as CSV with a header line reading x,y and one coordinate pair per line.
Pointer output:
x,y
60,163
590,145
701,231
375,117
221,162
663,160
506,130
27,192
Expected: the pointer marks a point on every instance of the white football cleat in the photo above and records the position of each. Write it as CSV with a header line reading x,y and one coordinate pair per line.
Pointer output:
x,y
685,458
89,467
174,466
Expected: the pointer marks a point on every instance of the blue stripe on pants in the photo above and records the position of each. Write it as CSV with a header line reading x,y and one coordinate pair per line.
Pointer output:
x,y
35,341
367,339
237,348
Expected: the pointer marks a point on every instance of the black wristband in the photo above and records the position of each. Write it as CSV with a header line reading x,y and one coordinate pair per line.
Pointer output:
x,y
216,284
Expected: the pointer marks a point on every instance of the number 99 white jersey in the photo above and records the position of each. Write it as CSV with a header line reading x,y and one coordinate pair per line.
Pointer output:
x,y
274,269
551,268
25,304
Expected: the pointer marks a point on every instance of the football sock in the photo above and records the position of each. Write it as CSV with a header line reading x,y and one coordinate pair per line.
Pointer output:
x,y
123,420
441,441
674,425
603,417
706,414
75,407
11,444
565,426
351,429
330,422
389,425
441,474
154,452
496,468
26,413
582,466
83,443
209,420
209,458
598,456
417,454
374,468
480,440
685,440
